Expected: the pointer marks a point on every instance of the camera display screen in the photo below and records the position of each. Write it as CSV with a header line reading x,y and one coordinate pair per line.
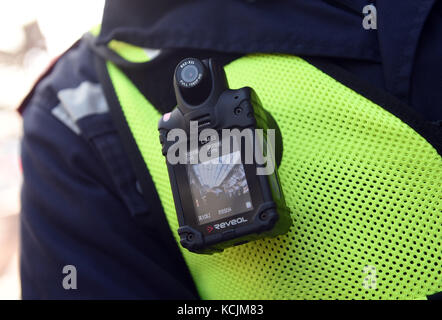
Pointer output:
x,y
219,188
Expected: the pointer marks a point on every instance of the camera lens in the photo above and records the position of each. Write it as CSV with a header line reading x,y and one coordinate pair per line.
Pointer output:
x,y
190,73
192,81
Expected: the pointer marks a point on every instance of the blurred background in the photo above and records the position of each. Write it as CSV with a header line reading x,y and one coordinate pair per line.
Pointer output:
x,y
32,33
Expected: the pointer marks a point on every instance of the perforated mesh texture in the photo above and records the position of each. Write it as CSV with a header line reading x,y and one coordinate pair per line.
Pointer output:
x,y
363,187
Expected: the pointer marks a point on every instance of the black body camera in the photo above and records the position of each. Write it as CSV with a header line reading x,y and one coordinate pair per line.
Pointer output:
x,y
222,150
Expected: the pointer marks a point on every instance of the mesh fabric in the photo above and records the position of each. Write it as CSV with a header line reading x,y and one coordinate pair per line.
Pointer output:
x,y
364,190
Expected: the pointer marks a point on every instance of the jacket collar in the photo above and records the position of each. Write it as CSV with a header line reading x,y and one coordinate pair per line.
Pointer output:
x,y
331,28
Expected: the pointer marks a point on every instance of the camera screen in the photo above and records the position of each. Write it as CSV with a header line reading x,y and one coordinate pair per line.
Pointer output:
x,y
219,188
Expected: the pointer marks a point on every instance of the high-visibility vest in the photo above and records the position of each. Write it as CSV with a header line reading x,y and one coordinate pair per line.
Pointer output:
x,y
363,187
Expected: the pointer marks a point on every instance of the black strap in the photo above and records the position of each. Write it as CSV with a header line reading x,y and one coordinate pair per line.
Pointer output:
x,y
108,54
436,296
155,221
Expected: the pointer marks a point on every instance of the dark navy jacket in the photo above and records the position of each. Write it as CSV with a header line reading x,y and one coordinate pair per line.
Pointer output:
x,y
81,203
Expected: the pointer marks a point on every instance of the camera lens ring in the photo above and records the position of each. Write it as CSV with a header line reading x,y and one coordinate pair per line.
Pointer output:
x,y
189,73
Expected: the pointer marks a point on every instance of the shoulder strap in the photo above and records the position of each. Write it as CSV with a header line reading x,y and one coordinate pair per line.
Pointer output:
x,y
156,219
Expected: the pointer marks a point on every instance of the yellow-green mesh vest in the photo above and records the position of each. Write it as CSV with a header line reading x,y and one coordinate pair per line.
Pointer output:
x,y
363,187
